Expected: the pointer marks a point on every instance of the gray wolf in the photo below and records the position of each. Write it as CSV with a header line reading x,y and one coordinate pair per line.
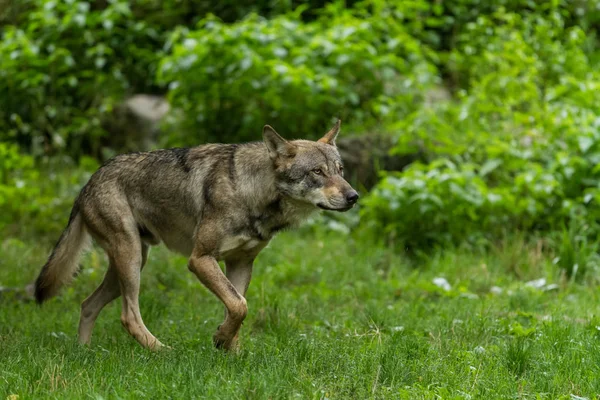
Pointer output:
x,y
211,202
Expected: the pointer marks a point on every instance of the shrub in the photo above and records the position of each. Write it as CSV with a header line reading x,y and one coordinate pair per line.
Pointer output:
x,y
166,14
230,79
36,196
438,203
16,173
63,70
521,144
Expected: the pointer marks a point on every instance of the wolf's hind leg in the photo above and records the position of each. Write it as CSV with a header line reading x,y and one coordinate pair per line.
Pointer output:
x,y
91,307
105,293
127,256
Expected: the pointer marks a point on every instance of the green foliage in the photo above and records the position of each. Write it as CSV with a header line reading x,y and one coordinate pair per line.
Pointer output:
x,y
65,64
522,141
166,14
577,254
14,11
64,69
518,356
34,199
443,24
442,202
230,79
17,174
515,149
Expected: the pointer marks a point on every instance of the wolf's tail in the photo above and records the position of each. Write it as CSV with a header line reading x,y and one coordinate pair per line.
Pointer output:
x,y
63,263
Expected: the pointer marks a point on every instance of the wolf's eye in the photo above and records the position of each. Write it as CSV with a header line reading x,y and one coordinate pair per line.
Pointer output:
x,y
318,171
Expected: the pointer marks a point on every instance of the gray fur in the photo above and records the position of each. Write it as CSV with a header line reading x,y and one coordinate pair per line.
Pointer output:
x,y
211,202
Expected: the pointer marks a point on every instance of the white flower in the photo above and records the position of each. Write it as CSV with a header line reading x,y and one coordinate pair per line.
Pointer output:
x,y
442,283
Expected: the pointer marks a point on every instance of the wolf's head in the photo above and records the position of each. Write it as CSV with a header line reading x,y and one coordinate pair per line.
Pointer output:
x,y
311,172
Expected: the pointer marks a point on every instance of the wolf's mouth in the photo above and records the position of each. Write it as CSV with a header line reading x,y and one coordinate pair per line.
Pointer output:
x,y
342,209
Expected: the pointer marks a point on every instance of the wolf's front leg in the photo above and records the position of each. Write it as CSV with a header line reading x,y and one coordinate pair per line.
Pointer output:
x,y
209,273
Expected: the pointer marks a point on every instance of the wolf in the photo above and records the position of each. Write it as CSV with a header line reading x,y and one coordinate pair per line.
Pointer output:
x,y
213,202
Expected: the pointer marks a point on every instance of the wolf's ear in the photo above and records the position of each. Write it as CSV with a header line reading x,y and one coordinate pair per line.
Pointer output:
x,y
330,136
277,146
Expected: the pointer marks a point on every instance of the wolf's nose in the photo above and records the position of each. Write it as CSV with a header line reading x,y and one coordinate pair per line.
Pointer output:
x,y
352,197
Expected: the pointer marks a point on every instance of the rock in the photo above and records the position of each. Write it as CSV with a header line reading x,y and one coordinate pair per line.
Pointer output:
x,y
436,95
365,155
25,293
135,124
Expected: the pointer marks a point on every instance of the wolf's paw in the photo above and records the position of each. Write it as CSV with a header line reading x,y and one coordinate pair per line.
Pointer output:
x,y
225,342
158,346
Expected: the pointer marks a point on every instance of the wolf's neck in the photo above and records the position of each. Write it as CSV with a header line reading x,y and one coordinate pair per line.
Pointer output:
x,y
255,181
256,185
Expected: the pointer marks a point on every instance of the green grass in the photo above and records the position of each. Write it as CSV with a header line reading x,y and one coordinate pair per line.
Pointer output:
x,y
329,317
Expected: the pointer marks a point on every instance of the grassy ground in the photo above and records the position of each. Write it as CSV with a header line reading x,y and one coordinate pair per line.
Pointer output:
x,y
330,317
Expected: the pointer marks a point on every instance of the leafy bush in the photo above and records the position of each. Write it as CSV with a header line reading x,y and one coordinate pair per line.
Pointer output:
x,y
64,69
443,24
516,149
439,203
230,79
13,11
16,171
35,197
65,64
167,14
523,141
